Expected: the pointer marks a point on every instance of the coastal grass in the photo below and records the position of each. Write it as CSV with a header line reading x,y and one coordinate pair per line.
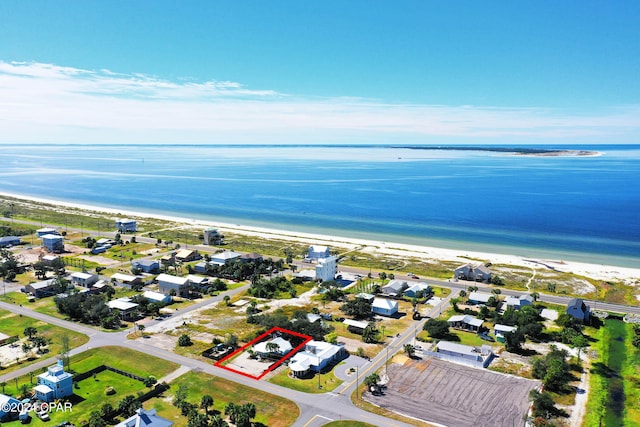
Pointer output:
x,y
326,383
271,410
614,377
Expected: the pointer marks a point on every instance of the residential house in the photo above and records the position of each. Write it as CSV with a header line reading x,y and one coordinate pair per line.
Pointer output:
x,y
365,296
516,303
465,322
251,257
42,289
186,255
417,289
477,273
127,280
578,309
225,257
144,418
384,306
326,269
476,298
9,408
54,384
198,281
99,287
201,267
167,283
8,241
395,287
128,310
283,347
53,242
463,354
49,259
306,274
83,279
126,225
312,318
499,331
157,297
43,231
355,326
315,357
317,252
212,237
146,265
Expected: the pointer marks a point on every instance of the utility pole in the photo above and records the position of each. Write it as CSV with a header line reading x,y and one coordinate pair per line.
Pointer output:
x,y
357,391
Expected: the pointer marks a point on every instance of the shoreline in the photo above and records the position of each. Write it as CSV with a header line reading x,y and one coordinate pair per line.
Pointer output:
x,y
627,275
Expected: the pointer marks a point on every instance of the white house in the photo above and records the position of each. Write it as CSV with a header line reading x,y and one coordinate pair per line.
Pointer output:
x,y
394,287
317,252
464,354
198,281
43,231
143,418
157,297
127,309
284,347
355,326
499,331
126,225
417,289
517,303
54,384
479,297
316,356
466,322
384,306
168,282
225,257
83,279
326,268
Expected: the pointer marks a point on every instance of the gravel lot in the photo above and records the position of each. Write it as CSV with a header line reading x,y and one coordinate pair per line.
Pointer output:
x,y
455,395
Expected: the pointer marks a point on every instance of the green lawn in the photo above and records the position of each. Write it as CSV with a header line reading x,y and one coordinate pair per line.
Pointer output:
x,y
123,358
14,324
328,381
272,410
615,376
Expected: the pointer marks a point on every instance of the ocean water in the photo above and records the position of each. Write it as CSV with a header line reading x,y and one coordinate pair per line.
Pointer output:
x,y
581,208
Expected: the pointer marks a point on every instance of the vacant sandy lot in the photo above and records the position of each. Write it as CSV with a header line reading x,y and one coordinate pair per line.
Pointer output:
x,y
455,395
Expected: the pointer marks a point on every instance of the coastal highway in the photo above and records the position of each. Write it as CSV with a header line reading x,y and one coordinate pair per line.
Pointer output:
x,y
462,285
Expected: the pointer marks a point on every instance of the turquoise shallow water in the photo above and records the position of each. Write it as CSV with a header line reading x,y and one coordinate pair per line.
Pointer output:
x,y
582,208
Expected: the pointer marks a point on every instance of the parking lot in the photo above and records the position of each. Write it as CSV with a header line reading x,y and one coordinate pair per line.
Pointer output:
x,y
455,395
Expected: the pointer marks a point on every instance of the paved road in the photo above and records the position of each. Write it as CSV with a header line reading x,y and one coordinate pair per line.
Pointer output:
x,y
314,408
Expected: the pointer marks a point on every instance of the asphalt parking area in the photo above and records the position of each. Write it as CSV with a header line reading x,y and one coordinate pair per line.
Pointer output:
x,y
454,395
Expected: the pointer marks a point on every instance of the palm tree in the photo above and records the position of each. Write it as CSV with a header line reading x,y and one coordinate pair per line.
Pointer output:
x,y
206,402
372,380
408,348
141,329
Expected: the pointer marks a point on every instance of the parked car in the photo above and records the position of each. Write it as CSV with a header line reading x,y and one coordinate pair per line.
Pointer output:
x,y
486,337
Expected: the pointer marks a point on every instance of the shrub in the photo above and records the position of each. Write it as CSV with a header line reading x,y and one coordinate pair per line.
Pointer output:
x,y
184,340
110,391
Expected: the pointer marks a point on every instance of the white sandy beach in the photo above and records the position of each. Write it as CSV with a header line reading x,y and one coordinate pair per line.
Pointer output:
x,y
630,276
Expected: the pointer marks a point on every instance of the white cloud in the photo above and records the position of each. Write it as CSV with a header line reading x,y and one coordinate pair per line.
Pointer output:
x,y
45,102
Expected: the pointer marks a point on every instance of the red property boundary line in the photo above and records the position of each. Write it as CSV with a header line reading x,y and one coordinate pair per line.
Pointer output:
x,y
273,366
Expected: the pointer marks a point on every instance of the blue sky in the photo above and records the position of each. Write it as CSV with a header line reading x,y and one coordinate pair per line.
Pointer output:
x,y
507,72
